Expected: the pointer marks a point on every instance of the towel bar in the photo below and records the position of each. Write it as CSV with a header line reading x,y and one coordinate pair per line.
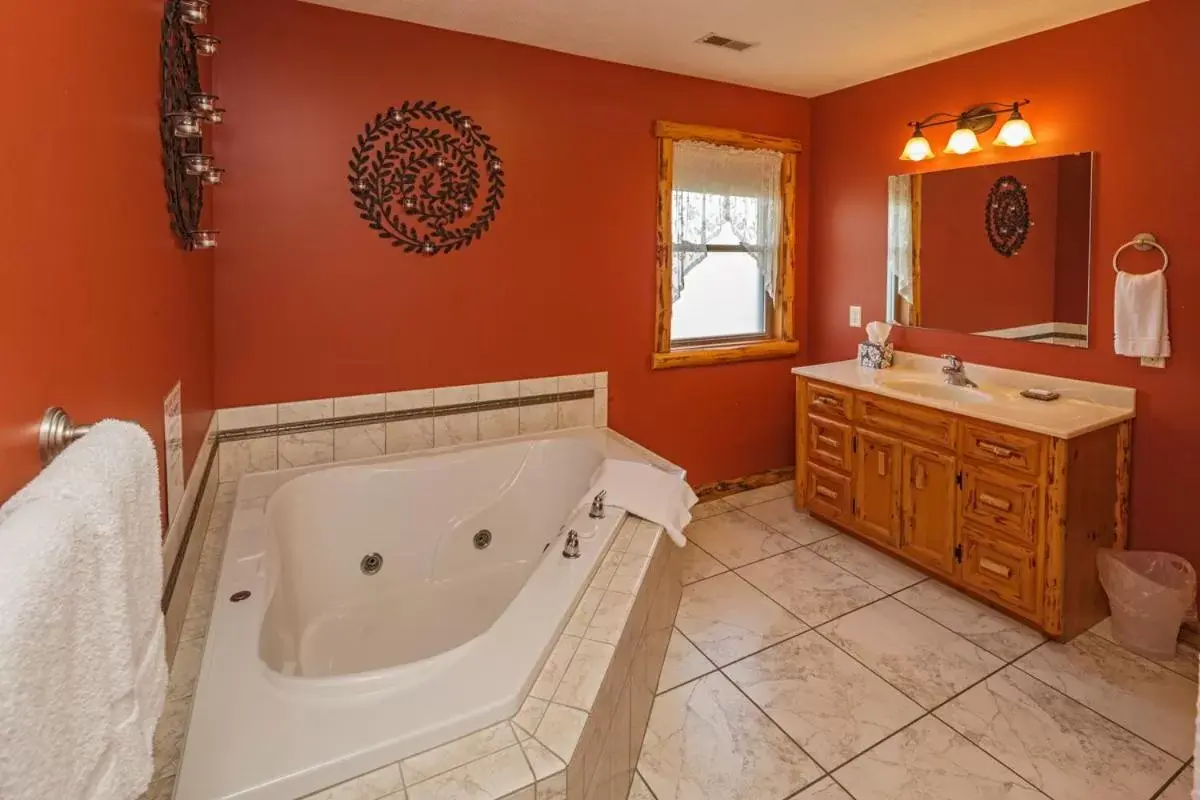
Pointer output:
x,y
56,432
1142,242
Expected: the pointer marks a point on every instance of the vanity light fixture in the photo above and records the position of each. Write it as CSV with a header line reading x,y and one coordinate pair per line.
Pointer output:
x,y
968,125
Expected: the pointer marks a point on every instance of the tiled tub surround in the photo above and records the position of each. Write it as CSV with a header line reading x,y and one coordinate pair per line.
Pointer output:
x,y
621,575
309,432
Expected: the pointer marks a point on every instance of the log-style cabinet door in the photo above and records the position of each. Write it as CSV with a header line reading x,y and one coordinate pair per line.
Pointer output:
x,y
929,498
877,475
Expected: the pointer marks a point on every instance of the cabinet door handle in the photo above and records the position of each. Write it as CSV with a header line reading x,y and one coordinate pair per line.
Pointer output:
x,y
999,451
994,567
828,440
824,400
825,491
995,502
920,477
882,465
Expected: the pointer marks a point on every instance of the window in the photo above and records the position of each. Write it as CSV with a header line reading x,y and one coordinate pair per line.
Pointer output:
x,y
725,246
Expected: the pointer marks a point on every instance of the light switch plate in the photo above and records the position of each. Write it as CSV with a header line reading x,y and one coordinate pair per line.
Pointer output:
x,y
1160,363
855,316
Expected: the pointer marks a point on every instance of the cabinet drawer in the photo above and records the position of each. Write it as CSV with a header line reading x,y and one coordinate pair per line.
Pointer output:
x,y
1004,571
828,493
1004,503
1003,447
829,401
829,443
915,423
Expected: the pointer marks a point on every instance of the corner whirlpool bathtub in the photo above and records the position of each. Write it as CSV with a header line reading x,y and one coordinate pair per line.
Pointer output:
x,y
395,604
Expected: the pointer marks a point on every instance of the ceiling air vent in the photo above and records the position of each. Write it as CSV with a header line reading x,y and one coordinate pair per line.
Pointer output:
x,y
717,40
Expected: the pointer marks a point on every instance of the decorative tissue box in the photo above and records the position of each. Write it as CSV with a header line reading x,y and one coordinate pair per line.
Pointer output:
x,y
876,356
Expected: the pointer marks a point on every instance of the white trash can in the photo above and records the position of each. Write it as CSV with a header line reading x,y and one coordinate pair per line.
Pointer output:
x,y
1150,595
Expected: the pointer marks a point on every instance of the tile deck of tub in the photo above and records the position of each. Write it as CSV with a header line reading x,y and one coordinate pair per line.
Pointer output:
x,y
804,665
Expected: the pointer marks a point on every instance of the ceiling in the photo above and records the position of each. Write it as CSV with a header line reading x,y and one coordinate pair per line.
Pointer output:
x,y
805,47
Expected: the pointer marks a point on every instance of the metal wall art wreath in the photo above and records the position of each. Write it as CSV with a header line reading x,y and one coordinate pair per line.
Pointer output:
x,y
426,177
1007,216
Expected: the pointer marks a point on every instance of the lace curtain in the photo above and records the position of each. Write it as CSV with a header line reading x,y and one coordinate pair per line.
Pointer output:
x,y
900,234
714,185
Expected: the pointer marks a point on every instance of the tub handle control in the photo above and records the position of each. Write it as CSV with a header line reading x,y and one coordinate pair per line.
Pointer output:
x,y
597,511
571,548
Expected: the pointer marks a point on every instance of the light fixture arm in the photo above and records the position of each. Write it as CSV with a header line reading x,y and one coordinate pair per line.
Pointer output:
x,y
980,111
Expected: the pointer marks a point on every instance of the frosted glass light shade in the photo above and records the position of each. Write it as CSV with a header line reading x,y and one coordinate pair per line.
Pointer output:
x,y
963,141
1015,133
917,149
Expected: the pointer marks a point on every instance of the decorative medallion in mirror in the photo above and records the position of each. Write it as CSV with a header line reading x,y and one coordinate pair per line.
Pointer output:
x,y
1024,276
426,177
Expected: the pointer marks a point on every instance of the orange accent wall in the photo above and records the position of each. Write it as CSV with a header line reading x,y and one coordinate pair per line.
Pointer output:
x,y
965,284
100,312
1096,85
310,304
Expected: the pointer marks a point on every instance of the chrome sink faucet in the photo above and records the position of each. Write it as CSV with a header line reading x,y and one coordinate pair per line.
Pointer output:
x,y
954,373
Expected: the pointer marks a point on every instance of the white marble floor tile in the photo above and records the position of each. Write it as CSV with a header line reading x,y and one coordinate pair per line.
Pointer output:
x,y
736,539
927,662
706,741
709,508
781,515
728,618
1180,788
834,707
683,663
698,565
824,789
762,494
639,790
1149,700
494,776
1060,746
873,566
929,761
813,589
1184,662
998,633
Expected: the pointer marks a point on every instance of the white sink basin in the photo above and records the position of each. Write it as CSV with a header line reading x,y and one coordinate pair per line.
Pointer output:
x,y
937,391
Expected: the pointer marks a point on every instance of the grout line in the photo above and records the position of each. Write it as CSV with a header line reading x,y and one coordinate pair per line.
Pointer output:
x,y
1170,780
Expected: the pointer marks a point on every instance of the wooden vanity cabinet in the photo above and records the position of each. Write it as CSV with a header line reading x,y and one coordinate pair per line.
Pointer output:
x,y
1012,517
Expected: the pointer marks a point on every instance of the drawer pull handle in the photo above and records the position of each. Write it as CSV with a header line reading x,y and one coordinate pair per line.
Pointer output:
x,y
999,451
825,491
828,440
825,401
987,565
882,466
920,476
995,502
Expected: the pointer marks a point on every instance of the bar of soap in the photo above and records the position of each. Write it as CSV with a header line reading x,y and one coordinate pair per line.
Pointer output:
x,y
1045,395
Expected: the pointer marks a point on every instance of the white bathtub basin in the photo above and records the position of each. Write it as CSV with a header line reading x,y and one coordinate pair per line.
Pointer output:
x,y
325,672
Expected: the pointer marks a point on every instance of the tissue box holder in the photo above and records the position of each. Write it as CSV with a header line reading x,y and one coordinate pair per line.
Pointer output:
x,y
876,356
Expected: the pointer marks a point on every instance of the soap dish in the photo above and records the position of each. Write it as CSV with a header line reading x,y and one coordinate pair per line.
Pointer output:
x,y
1045,395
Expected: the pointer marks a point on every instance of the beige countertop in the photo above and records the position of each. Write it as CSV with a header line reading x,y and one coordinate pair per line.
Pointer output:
x,y
1083,407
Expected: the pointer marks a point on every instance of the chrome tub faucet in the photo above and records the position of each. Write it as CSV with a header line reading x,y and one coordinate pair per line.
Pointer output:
x,y
571,548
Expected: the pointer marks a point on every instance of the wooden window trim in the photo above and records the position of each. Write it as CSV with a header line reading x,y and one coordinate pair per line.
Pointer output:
x,y
780,341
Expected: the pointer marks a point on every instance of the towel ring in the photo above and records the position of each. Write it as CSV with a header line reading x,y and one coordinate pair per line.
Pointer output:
x,y
1142,242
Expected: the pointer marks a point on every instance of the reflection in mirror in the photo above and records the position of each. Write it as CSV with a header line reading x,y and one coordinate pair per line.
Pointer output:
x,y
1000,250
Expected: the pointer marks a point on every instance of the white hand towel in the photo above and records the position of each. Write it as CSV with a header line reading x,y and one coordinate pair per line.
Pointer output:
x,y
1140,315
648,492
82,669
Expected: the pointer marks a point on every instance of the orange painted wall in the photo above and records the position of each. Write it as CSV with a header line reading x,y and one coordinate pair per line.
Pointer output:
x,y
1094,85
965,284
100,312
310,304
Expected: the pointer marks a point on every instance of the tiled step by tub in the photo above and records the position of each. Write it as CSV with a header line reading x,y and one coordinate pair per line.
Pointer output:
x,y
285,435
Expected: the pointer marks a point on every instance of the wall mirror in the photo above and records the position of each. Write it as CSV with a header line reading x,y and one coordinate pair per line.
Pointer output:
x,y
1000,250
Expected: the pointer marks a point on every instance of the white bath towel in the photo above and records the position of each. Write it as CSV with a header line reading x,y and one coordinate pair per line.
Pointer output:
x,y
1140,315
648,492
82,669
